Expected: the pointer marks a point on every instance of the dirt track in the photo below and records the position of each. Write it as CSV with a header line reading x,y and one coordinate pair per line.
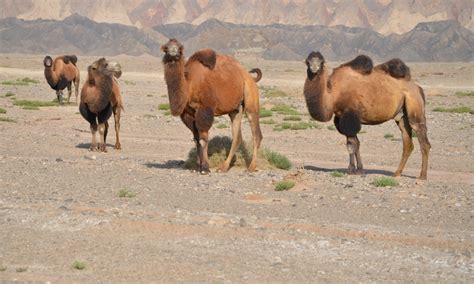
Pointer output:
x,y
59,202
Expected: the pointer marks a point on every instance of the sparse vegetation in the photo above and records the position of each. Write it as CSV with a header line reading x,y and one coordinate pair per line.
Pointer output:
x,y
268,121
297,126
167,112
164,106
461,109
284,185
221,125
2,110
331,127
465,94
79,265
272,92
129,83
384,181
126,193
388,136
413,133
149,95
337,174
265,112
7,119
285,110
29,104
9,94
20,82
3,268
292,118
362,132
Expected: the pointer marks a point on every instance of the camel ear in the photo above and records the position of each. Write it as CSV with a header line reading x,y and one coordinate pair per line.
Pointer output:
x,y
163,48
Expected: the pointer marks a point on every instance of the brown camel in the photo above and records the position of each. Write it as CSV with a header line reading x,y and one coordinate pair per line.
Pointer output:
x,y
61,73
100,96
356,93
209,85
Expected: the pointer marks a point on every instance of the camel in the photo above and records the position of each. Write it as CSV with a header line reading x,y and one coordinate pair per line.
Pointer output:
x,y
357,93
208,85
61,73
100,97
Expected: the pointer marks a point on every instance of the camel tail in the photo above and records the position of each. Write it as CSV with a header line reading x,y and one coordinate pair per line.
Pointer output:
x,y
422,94
258,72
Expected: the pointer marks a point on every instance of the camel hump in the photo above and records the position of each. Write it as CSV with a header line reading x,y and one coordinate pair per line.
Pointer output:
x,y
70,59
396,68
206,57
258,72
362,64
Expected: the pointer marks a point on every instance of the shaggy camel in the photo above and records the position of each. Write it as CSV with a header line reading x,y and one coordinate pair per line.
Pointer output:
x,y
60,74
209,85
100,96
356,93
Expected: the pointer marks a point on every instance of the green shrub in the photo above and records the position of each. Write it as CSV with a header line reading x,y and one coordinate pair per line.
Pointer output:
x,y
268,121
2,110
126,193
79,265
461,109
384,181
388,136
331,127
292,118
285,110
33,103
276,159
164,106
265,112
222,125
20,82
272,92
9,94
465,94
284,185
337,174
7,119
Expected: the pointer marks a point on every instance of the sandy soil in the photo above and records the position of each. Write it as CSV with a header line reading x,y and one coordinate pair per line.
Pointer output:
x,y
59,202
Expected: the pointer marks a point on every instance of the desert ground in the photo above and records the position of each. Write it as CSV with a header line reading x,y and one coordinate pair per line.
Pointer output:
x,y
61,207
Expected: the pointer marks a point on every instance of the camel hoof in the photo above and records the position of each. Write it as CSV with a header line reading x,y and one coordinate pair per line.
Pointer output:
x,y
93,148
397,174
204,172
351,171
118,146
223,169
360,172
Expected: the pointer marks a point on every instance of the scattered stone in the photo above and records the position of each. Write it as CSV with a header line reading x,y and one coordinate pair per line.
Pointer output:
x,y
93,157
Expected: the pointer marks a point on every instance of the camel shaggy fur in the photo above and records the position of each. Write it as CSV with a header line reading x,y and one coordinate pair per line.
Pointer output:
x,y
100,97
61,73
207,85
357,93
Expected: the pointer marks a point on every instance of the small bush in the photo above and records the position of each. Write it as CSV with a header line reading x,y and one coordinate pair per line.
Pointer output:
x,y
268,121
337,174
465,94
284,185
292,118
276,159
7,119
265,112
461,109
272,92
388,136
126,193
384,181
2,110
20,82
30,108
79,265
33,103
285,110
331,127
167,112
9,94
297,126
164,106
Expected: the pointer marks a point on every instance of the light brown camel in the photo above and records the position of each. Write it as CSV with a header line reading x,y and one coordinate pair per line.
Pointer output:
x,y
355,93
100,96
209,85
61,73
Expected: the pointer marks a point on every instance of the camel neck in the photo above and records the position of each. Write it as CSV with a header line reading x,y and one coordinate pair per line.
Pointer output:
x,y
51,77
318,98
105,85
177,85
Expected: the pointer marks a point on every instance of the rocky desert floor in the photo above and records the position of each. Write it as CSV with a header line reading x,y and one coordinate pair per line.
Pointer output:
x,y
60,204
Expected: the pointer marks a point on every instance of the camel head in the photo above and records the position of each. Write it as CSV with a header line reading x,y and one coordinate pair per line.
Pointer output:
x,y
48,61
315,62
105,67
173,50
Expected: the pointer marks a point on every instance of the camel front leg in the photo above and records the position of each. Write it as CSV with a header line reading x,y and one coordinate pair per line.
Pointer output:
x,y
204,119
406,130
425,146
76,89
190,123
60,96
351,148
257,138
93,146
236,120
117,111
360,167
102,132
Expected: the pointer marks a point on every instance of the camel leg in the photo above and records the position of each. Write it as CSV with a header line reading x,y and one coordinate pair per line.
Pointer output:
x,y
405,129
117,111
204,119
425,146
60,96
257,138
102,131
76,88
236,119
360,167
352,149
69,91
93,146
106,131
189,121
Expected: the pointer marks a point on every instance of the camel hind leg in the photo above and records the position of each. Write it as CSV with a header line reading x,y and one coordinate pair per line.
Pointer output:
x,y
252,109
190,123
406,130
76,87
415,106
349,125
204,119
236,119
69,91
117,111
103,127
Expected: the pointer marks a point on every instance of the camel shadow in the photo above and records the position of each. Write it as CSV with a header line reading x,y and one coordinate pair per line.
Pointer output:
x,y
88,145
344,170
170,164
